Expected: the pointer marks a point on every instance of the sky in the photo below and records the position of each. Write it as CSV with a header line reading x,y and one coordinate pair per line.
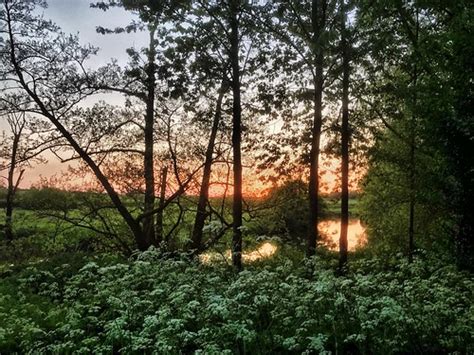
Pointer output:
x,y
76,16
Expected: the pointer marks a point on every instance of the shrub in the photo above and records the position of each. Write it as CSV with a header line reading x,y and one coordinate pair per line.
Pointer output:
x,y
288,215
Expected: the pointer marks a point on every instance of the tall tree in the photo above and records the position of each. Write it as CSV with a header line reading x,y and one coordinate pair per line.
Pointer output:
x,y
45,70
140,80
210,74
345,136
234,14
305,28
234,33
413,137
203,200
318,22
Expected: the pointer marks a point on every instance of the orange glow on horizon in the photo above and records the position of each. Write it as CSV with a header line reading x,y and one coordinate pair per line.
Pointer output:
x,y
53,173
330,181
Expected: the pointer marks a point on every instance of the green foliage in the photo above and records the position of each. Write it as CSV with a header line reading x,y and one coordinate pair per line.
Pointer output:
x,y
3,197
384,205
105,305
53,199
285,212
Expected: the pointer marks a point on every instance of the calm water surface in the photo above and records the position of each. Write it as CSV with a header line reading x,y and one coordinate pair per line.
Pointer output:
x,y
330,230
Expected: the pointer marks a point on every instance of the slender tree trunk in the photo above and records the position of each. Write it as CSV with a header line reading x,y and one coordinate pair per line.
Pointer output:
x,y
318,22
114,196
314,175
344,144
149,203
161,203
11,189
206,175
411,218
412,175
236,137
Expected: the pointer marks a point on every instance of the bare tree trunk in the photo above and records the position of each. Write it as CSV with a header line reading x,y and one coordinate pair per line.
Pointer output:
x,y
318,17
345,135
236,137
148,163
11,189
159,215
201,214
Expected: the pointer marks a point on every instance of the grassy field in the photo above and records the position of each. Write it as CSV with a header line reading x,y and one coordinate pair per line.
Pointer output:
x,y
333,207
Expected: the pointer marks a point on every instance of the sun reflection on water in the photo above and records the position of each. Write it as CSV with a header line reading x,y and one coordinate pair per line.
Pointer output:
x,y
330,229
265,250
356,235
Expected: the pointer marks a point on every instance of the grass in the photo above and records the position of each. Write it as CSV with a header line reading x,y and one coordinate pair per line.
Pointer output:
x,y
333,207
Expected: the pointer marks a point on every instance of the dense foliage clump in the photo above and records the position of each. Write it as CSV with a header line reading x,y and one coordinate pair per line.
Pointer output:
x,y
103,304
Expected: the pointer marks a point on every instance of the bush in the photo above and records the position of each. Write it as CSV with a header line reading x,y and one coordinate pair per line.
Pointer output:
x,y
46,199
288,214
103,305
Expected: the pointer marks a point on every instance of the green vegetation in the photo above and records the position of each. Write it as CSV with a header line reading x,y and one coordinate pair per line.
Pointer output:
x,y
103,304
333,207
64,297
